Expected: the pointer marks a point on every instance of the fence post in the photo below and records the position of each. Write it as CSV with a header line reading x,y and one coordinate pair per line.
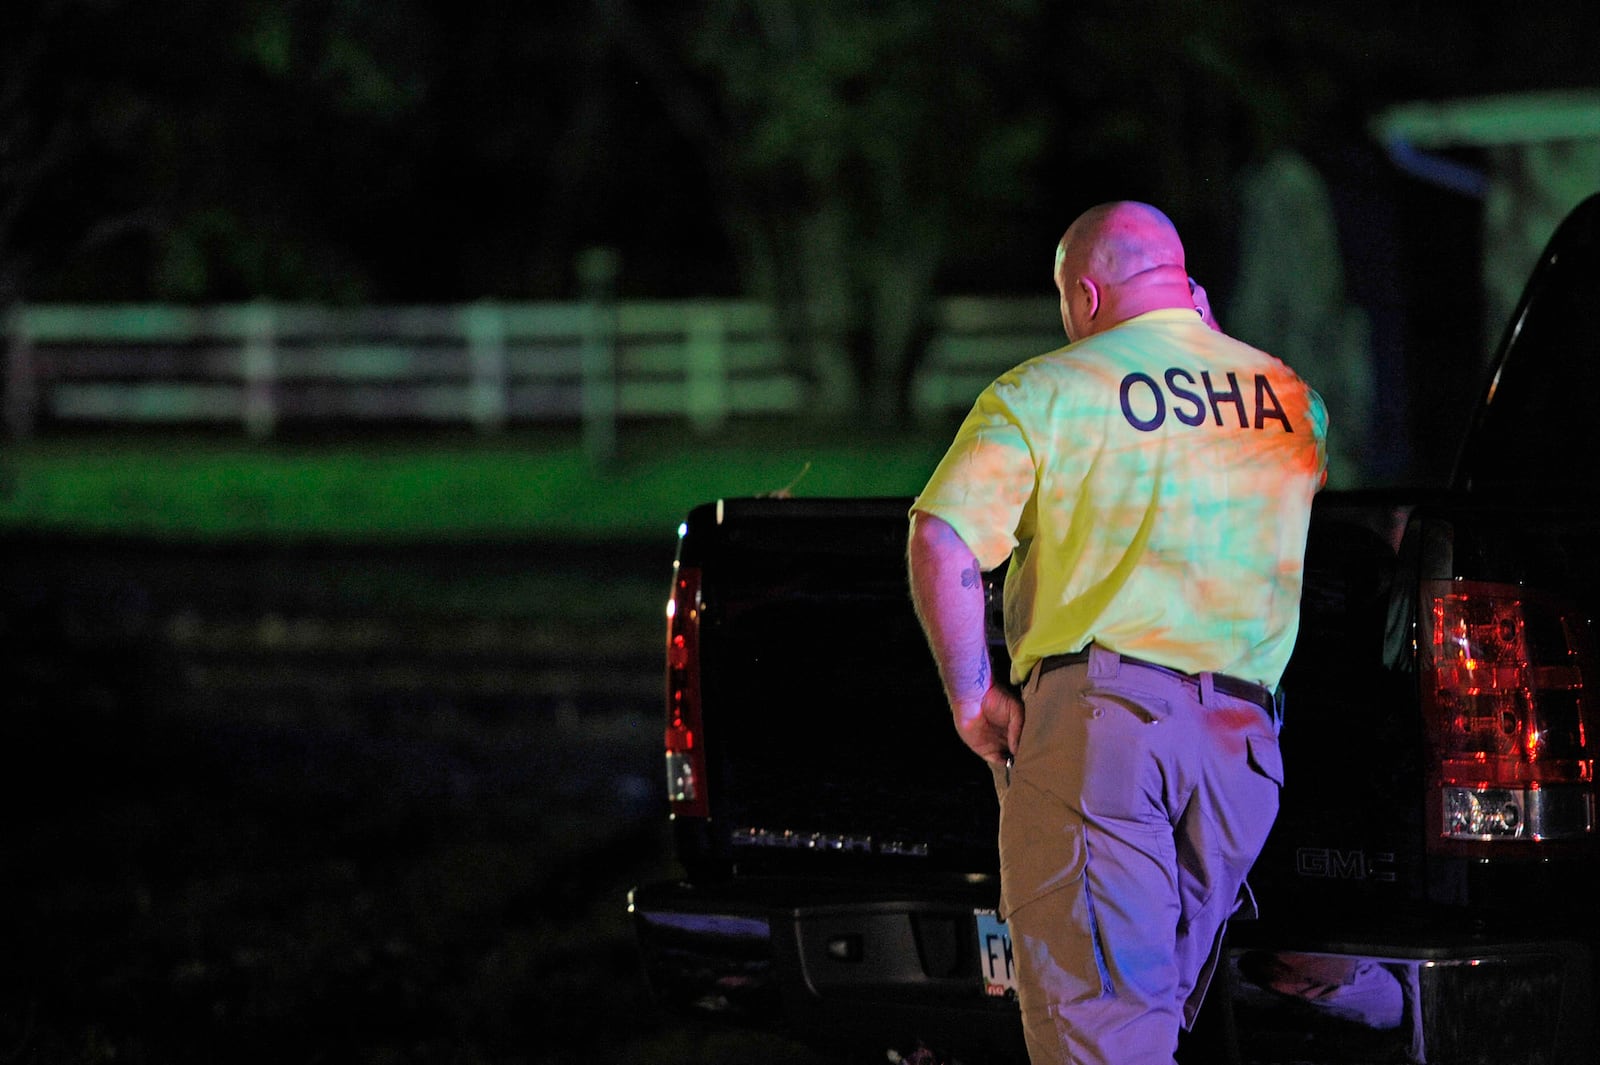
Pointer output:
x,y
21,387
597,273
706,374
260,370
485,326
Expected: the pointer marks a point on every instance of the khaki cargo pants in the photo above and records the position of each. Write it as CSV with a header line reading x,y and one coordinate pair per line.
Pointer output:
x,y
1138,801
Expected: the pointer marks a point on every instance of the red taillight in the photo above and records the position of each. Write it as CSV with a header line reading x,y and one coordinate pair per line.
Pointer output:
x,y
1504,674
686,759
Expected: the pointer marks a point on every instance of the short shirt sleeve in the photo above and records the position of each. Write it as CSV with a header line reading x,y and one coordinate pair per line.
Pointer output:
x,y
983,485
1319,427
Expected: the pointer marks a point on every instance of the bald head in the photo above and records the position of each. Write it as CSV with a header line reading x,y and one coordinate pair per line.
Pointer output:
x,y
1118,260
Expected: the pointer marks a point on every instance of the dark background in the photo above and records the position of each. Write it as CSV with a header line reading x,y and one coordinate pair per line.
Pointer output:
x,y
414,151
332,804
865,159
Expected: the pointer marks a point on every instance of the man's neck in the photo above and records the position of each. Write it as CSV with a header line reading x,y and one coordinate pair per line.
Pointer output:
x,y
1162,288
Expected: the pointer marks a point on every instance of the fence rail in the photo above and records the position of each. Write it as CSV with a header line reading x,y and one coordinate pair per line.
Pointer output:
x,y
489,365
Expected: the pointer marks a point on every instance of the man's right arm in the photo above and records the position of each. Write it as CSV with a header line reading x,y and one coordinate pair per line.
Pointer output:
x,y
947,591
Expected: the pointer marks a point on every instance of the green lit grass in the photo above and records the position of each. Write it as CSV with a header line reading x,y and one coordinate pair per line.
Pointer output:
x,y
432,489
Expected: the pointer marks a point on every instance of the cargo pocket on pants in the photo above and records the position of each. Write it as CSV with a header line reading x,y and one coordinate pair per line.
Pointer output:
x,y
1044,897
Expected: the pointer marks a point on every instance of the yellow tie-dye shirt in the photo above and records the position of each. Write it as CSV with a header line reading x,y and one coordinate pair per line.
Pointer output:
x,y
1152,486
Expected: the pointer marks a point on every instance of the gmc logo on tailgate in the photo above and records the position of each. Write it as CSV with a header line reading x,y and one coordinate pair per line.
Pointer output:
x,y
1326,863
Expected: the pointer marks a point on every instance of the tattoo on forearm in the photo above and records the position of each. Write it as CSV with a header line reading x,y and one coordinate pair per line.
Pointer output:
x,y
972,577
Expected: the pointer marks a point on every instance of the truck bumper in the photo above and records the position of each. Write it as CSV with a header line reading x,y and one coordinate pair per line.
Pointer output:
x,y
705,953
892,972
1467,1003
886,973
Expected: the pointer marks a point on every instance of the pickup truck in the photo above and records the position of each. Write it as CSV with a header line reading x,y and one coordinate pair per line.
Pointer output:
x,y
1430,891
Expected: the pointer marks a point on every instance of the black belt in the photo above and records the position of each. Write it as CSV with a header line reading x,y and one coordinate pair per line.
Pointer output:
x,y
1249,691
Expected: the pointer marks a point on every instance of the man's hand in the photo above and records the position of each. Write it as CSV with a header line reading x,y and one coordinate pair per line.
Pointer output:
x,y
993,726
1202,304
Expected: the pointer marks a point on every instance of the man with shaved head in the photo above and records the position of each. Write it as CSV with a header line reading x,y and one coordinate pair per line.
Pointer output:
x,y
1150,485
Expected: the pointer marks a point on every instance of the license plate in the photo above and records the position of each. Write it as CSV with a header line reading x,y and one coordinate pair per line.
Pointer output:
x,y
994,955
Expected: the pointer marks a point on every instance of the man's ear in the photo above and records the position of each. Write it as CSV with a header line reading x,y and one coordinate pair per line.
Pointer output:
x,y
1091,293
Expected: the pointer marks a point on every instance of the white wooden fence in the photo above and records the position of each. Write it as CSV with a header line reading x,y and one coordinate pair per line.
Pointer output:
x,y
489,365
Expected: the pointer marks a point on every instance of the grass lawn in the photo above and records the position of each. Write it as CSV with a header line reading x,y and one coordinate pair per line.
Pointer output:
x,y
415,488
